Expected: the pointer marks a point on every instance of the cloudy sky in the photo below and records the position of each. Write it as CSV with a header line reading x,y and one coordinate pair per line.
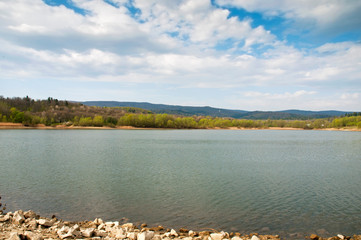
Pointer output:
x,y
235,54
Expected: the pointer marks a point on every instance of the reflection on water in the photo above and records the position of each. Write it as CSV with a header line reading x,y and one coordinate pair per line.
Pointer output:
x,y
291,182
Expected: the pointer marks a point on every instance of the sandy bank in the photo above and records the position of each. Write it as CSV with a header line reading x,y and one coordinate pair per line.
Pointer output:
x,y
28,225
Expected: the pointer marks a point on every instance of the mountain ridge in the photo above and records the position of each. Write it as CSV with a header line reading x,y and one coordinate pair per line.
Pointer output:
x,y
219,112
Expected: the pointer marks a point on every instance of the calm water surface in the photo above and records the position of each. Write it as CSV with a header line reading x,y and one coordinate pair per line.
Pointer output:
x,y
265,181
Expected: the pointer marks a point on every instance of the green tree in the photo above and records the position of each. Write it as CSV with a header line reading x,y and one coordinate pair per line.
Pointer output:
x,y
98,121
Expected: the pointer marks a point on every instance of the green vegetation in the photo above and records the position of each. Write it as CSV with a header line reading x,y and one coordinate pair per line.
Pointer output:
x,y
52,112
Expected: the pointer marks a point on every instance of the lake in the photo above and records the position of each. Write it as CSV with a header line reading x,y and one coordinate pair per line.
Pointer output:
x,y
265,181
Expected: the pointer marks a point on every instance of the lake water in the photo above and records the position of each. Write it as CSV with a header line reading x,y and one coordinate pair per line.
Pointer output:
x,y
264,181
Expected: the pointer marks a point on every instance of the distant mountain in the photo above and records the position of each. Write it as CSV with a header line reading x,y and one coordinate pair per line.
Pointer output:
x,y
218,112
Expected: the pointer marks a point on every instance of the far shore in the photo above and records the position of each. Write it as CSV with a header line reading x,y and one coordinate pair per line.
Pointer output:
x,y
10,125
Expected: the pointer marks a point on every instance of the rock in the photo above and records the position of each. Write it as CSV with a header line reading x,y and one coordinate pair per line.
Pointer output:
x,y
98,221
192,233
101,226
33,236
236,238
128,226
216,236
5,218
132,235
45,222
100,233
204,234
340,236
118,233
69,232
173,233
63,232
157,229
314,236
18,217
183,230
14,236
143,225
157,237
109,224
187,238
30,214
88,232
147,235
254,237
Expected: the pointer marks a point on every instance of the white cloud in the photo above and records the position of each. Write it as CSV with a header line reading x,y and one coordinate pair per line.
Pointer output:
x,y
174,43
323,15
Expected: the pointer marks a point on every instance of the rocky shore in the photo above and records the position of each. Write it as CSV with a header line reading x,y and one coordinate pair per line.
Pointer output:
x,y
28,225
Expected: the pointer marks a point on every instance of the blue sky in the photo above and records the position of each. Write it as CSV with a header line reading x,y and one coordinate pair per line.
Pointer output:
x,y
235,54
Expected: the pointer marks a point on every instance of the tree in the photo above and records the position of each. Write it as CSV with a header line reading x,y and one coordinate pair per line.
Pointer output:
x,y
98,121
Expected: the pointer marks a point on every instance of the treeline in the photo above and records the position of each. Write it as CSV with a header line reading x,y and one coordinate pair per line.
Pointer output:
x,y
52,112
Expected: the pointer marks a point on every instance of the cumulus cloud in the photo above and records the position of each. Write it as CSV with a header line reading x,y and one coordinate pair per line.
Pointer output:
x,y
332,16
176,44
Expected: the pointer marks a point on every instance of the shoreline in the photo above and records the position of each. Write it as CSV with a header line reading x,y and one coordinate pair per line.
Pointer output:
x,y
9,125
28,225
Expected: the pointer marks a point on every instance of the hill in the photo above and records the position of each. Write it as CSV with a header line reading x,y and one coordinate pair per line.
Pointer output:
x,y
218,112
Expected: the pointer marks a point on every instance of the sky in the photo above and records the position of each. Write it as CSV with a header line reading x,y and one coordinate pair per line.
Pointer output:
x,y
235,54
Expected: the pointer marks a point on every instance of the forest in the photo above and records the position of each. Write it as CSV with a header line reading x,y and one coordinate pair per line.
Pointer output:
x,y
53,112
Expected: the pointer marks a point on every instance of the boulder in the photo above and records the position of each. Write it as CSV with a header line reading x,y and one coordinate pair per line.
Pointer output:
x,y
340,236
254,237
